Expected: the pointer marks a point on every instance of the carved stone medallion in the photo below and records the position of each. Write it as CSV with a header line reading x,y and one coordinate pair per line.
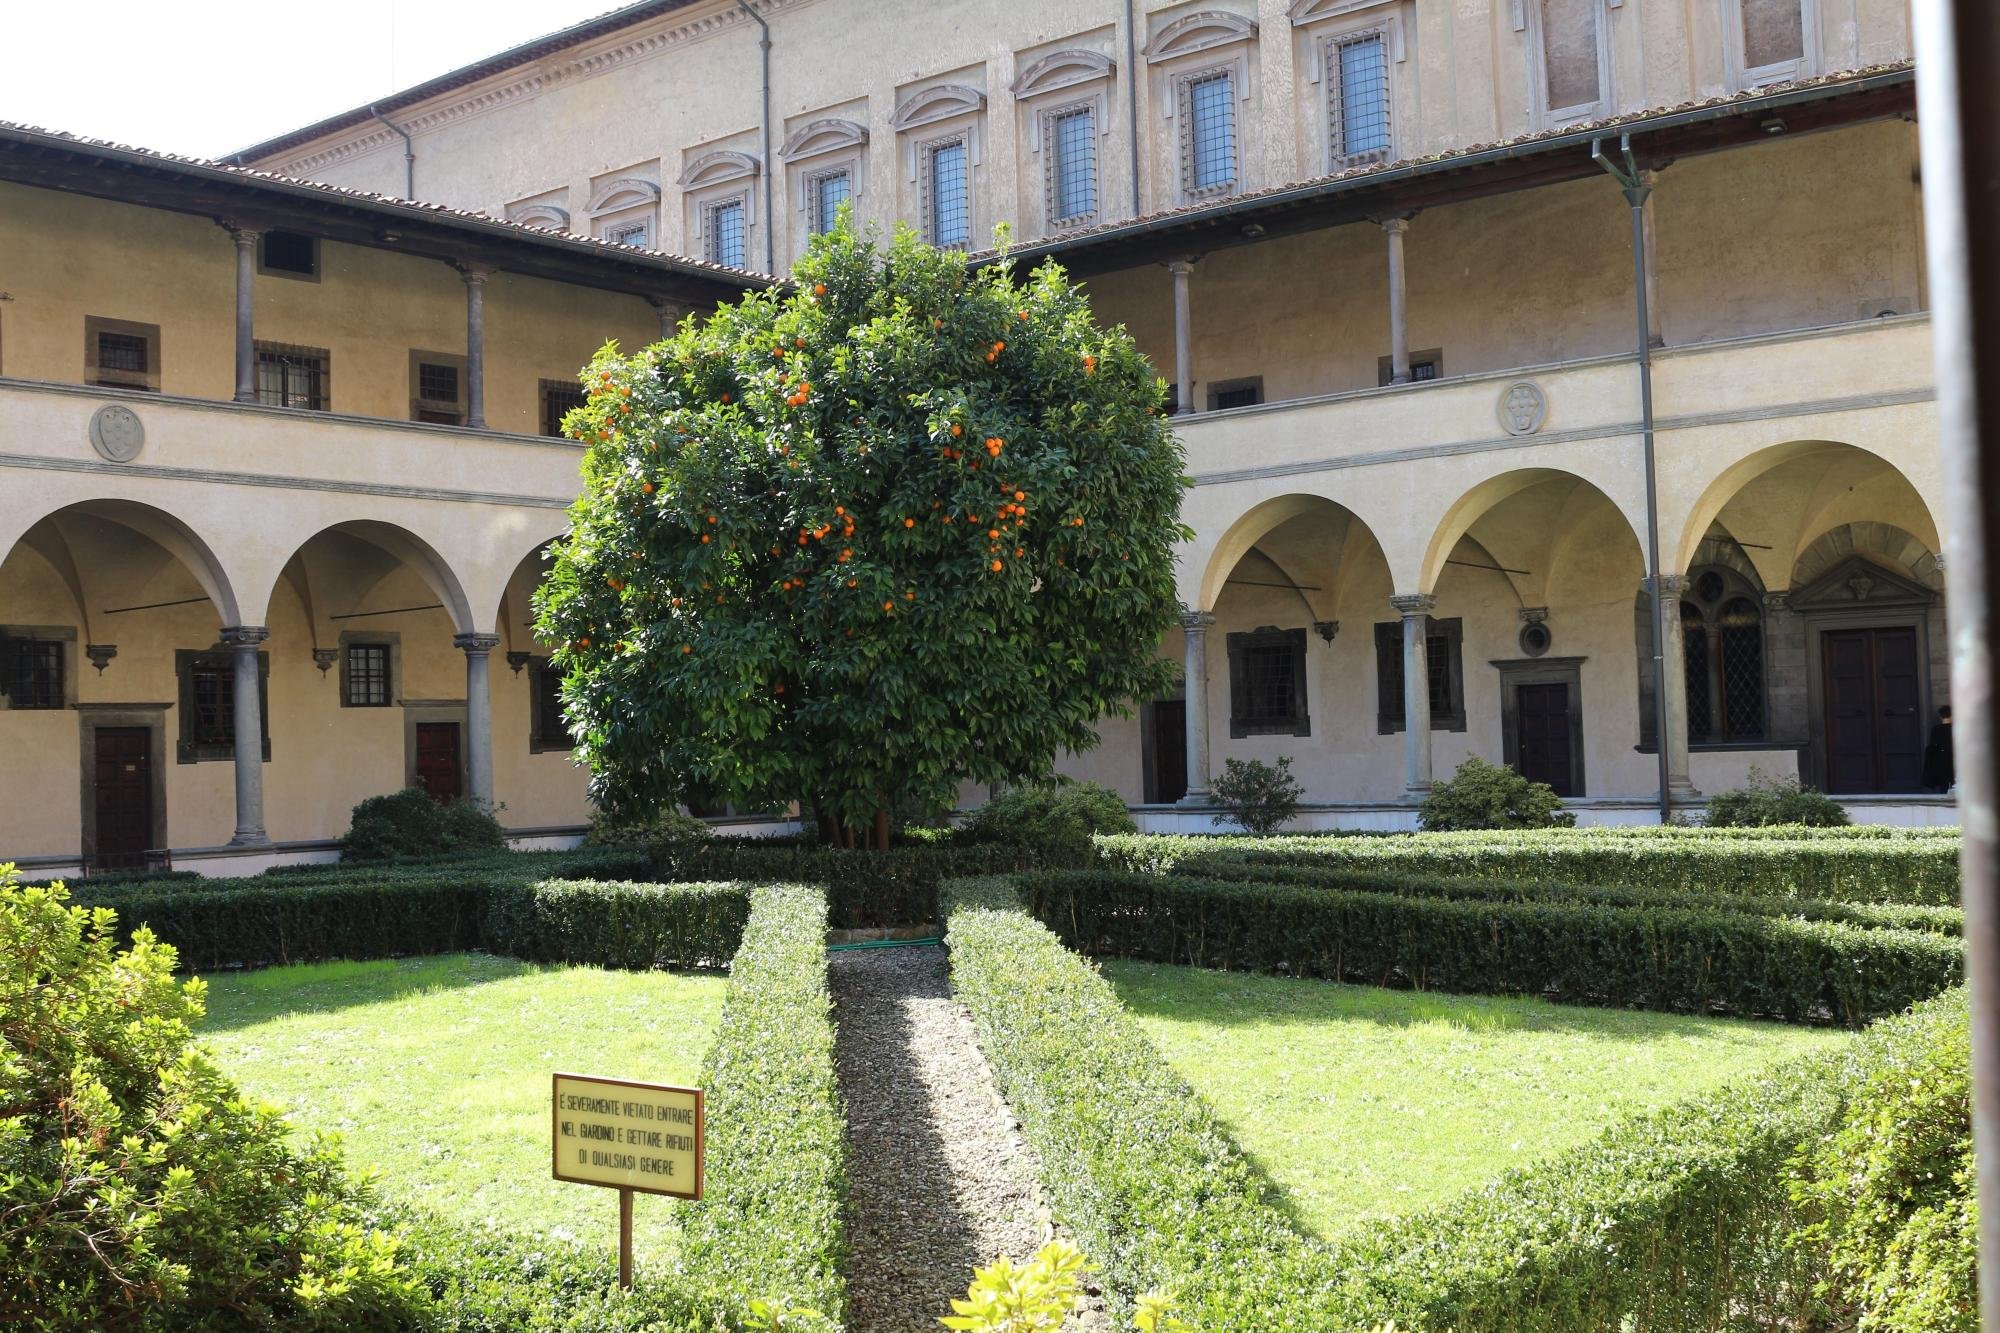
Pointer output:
x,y
1523,408
117,433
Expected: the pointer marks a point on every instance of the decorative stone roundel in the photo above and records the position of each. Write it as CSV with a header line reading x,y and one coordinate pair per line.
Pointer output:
x,y
1523,408
117,433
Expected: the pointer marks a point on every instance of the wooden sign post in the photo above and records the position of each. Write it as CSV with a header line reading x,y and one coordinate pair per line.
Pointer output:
x,y
631,1137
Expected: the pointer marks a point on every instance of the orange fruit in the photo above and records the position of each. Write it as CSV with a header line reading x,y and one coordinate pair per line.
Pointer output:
x,y
819,289
997,566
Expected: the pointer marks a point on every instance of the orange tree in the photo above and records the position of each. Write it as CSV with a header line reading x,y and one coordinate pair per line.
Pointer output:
x,y
899,526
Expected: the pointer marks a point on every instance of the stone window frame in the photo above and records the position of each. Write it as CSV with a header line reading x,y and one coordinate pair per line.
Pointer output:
x,y
1263,639
186,749
1742,77
1237,69
543,390
623,202
1216,388
1326,72
264,269
711,180
1385,367
147,381
823,147
704,230
65,635
1390,718
946,113
849,168
1188,49
261,349
389,639
1528,19
150,716
434,710
539,741
1083,78
1047,118
420,404
925,150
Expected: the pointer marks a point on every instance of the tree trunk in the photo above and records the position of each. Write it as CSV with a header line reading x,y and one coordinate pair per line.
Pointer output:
x,y
881,831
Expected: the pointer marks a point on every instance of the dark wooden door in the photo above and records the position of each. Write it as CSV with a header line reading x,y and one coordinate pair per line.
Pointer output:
x,y
437,759
1542,736
1873,686
1167,782
122,795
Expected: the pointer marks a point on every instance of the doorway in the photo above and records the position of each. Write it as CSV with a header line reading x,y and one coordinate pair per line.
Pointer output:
x,y
1165,745
1872,690
1541,735
122,796
438,762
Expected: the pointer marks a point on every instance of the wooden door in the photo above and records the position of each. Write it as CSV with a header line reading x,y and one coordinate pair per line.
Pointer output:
x,y
1873,687
437,760
1167,782
122,796
1542,736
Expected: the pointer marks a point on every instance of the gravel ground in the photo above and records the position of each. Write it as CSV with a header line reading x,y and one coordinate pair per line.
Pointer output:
x,y
941,1180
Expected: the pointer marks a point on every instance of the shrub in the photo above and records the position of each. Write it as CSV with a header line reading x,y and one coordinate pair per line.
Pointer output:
x,y
1484,796
138,1188
1768,801
412,822
1673,958
610,924
664,825
1039,813
1259,797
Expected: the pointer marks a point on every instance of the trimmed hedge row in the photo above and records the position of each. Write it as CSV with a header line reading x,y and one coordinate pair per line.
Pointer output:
x,y
1916,871
1672,958
1239,867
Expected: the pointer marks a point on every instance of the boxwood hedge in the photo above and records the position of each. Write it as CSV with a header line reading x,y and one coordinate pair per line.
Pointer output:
x,y
1662,957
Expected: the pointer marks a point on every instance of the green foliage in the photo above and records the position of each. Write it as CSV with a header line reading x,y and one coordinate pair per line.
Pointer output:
x,y
1771,801
1259,797
852,542
412,822
1674,958
138,1188
1058,811
665,824
611,924
1036,1297
1485,796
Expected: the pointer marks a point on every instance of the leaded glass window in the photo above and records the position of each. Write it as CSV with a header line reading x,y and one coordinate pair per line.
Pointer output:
x,y
31,673
1722,657
1073,165
1211,132
829,192
948,216
726,233
1358,92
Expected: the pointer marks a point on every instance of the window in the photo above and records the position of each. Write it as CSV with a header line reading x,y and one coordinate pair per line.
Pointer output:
x,y
1768,38
829,191
1572,51
1722,657
292,376
947,215
1267,683
208,704
1425,365
1357,92
1072,165
31,672
725,233
365,679
559,399
1208,119
1224,394
119,354
1447,675
547,728
437,388
289,254
630,233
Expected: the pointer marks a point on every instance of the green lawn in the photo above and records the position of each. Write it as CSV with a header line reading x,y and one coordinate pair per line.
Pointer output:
x,y
1365,1103
436,1071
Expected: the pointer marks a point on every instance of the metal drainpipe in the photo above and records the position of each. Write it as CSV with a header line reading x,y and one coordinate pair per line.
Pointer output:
x,y
1636,190
1132,99
409,153
770,222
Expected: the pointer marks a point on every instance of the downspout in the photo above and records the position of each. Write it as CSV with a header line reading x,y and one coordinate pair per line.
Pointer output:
x,y
409,153
1132,100
770,221
1636,191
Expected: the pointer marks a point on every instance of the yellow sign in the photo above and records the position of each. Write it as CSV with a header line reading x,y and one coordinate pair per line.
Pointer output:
x,y
628,1136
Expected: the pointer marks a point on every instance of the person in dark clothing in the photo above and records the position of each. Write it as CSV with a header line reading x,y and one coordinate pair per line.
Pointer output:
x,y
1938,775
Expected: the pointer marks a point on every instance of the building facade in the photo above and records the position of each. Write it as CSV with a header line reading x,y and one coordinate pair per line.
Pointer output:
x,y
1382,250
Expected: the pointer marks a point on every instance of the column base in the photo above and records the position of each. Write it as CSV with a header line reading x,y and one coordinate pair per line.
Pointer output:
x,y
1684,792
255,837
1198,798
1417,795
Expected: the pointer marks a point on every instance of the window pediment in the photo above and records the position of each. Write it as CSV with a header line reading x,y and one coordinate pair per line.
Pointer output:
x,y
1303,12
1203,31
1062,69
939,103
624,192
826,135
1859,581
717,167
541,215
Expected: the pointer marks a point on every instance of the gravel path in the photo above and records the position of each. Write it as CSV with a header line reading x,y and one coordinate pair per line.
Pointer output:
x,y
941,1180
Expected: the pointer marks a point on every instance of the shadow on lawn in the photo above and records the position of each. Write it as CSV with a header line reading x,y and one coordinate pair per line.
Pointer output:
x,y
244,999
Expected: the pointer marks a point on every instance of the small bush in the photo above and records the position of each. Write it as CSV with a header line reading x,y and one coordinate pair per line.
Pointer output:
x,y
1038,813
412,822
1771,801
1259,797
138,1188
667,825
1485,796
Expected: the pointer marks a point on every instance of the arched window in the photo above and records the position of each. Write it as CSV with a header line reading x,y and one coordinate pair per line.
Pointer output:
x,y
1722,652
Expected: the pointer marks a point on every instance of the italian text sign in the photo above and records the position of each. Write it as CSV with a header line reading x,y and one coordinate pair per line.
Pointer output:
x,y
635,1136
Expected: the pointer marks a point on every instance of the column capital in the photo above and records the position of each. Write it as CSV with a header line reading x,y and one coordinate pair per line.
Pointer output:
x,y
1533,615
1396,225
1671,585
1778,602
1414,603
1326,629
241,233
1185,264
244,636
475,643
1197,622
474,274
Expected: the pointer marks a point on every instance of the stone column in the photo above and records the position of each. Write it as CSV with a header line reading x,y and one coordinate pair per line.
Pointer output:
x,y
475,276
1194,628
1648,179
1784,669
1183,342
478,715
249,725
1415,608
1399,303
670,314
1673,687
246,337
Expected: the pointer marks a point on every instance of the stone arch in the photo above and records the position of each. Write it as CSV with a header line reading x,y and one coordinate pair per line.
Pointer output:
x,y
717,167
546,216
1884,543
824,135
1257,523
408,549
165,530
1565,489
624,192
1062,69
1200,31
939,102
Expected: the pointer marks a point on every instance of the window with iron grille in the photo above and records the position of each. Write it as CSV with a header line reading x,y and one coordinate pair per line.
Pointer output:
x,y
208,704
1225,394
121,351
724,224
547,729
120,354
1267,683
947,211
292,376
1072,165
829,191
290,254
31,673
559,399
366,682
1357,91
630,233
1208,116
1443,653
1722,654
1425,365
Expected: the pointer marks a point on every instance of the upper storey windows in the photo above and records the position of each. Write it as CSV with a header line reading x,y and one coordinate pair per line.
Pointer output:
x,y
1203,61
625,206
1570,51
717,188
941,127
1769,41
1062,99
825,161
